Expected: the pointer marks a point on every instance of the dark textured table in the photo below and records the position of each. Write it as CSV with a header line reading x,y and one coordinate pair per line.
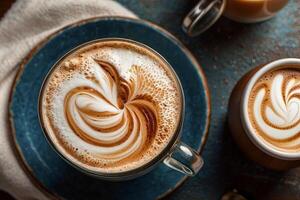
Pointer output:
x,y
226,52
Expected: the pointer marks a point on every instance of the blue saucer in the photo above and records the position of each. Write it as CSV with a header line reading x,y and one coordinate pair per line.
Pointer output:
x,y
47,169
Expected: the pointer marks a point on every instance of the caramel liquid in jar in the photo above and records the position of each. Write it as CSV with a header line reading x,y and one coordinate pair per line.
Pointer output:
x,y
253,10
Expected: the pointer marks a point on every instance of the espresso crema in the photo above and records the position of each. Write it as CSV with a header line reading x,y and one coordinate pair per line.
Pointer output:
x,y
274,108
111,106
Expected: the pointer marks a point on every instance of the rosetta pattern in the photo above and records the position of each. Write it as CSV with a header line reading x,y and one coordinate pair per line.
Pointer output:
x,y
112,114
276,111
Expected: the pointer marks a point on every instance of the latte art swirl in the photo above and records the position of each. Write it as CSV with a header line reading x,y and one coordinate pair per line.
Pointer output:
x,y
275,109
111,106
112,115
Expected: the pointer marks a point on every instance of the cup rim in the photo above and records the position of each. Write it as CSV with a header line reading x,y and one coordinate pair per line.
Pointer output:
x,y
132,173
258,142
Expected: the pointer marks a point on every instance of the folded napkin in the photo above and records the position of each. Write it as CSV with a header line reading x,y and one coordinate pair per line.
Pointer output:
x,y
23,26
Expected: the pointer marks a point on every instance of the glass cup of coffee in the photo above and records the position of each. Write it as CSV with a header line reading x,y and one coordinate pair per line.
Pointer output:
x,y
207,12
114,108
264,114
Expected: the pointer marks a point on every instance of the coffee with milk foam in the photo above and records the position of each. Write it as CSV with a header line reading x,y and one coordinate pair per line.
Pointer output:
x,y
274,108
111,106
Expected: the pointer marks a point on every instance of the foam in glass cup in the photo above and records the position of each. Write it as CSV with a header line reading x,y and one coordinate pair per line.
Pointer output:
x,y
114,108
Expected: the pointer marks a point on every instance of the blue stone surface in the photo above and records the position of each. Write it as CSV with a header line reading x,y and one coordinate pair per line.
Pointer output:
x,y
54,173
226,52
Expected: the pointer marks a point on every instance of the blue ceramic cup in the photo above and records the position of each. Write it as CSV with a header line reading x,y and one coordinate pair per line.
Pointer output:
x,y
175,155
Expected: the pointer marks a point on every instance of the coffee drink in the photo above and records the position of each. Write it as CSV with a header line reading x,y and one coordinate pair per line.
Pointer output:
x,y
252,10
264,114
111,106
274,109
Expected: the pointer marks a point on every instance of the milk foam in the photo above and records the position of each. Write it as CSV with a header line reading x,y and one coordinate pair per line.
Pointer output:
x,y
111,106
275,108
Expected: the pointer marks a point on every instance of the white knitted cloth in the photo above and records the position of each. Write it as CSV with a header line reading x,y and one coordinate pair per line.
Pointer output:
x,y
23,26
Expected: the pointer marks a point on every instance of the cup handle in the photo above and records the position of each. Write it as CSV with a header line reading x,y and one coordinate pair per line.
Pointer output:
x,y
203,16
184,159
